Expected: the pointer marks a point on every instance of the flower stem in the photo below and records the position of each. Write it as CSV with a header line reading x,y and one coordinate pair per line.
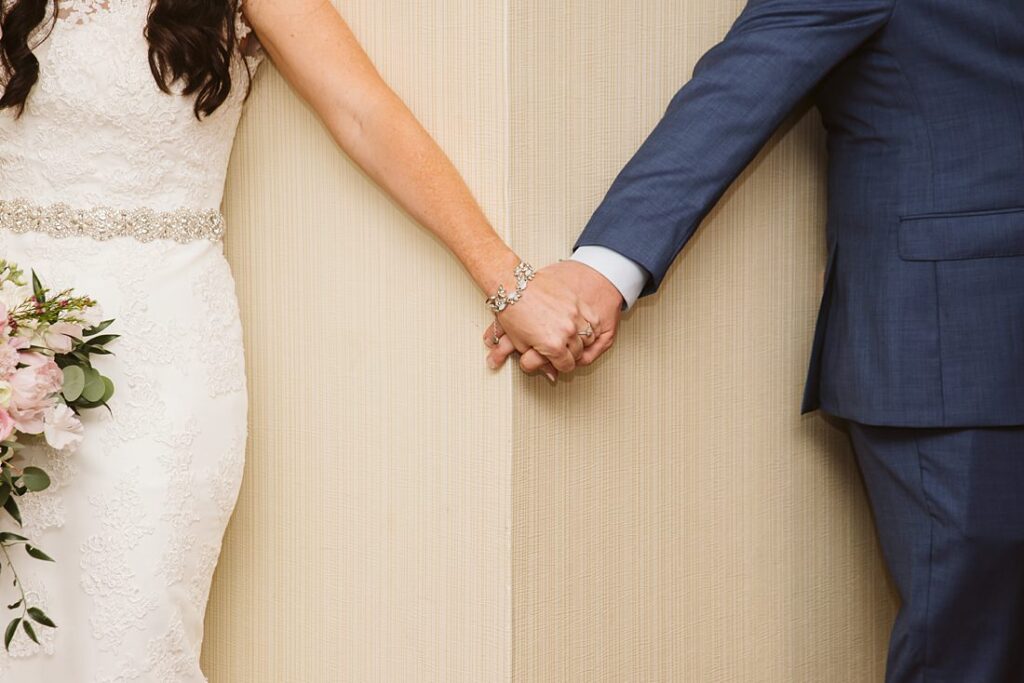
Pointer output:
x,y
17,580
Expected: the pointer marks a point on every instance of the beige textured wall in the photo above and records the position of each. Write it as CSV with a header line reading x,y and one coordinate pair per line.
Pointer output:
x,y
664,516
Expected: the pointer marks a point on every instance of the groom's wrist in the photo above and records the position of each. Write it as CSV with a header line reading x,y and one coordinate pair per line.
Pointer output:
x,y
623,273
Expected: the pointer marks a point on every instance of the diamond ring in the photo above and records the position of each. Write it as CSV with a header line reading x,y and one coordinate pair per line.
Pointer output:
x,y
589,332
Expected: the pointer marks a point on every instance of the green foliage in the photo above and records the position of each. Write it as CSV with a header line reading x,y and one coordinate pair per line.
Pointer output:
x,y
12,628
40,617
74,382
10,272
84,386
35,479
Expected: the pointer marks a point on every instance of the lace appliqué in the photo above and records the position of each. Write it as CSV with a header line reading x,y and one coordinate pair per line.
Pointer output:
x,y
171,657
147,146
167,658
45,510
249,44
81,11
120,604
180,513
226,477
221,353
21,645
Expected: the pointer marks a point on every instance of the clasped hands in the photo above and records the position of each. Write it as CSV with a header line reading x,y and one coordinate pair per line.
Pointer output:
x,y
566,318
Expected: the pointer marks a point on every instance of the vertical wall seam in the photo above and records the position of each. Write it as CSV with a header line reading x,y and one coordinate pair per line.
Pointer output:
x,y
508,646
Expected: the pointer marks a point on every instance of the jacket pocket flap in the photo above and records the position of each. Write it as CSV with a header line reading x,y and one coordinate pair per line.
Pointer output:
x,y
950,236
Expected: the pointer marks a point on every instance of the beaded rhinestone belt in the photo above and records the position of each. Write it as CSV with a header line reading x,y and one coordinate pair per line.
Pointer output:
x,y
104,222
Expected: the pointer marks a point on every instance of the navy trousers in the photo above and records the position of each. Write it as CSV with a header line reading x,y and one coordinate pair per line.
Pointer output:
x,y
949,510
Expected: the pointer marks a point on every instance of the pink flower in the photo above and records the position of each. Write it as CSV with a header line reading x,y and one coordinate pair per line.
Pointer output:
x,y
29,421
26,392
6,425
49,376
58,336
62,427
32,390
8,360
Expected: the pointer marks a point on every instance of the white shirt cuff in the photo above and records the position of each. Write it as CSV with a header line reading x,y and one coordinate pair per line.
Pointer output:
x,y
627,275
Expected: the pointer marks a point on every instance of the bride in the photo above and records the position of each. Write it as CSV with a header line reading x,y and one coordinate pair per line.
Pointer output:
x,y
116,123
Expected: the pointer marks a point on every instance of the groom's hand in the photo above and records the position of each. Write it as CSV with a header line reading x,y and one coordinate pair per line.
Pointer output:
x,y
593,300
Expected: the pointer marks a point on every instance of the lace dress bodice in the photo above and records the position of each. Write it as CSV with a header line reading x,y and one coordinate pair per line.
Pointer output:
x,y
98,131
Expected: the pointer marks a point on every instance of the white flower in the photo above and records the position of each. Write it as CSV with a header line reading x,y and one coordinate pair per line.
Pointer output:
x,y
12,295
32,330
61,426
5,393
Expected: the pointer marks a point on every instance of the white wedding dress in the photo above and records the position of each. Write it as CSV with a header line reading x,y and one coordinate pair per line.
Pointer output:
x,y
110,186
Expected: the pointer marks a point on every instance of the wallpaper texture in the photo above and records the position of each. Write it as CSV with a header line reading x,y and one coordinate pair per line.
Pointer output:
x,y
408,516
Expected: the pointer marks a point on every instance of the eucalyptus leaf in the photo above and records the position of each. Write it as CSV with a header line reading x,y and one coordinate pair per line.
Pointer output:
x,y
94,386
74,382
35,479
108,391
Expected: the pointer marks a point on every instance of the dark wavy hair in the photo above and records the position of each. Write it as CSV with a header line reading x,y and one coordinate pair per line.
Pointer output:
x,y
191,41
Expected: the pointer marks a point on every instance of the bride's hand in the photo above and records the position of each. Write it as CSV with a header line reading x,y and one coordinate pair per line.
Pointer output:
x,y
552,326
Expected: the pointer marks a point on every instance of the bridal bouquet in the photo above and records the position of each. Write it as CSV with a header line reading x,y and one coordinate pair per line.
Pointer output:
x,y
47,340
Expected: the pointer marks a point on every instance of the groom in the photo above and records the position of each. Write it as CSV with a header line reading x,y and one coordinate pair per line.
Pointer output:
x,y
919,346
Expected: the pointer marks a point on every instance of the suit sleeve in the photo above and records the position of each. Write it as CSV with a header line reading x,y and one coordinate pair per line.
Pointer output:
x,y
742,89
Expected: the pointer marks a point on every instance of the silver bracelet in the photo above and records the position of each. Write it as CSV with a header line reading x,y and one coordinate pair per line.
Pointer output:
x,y
524,272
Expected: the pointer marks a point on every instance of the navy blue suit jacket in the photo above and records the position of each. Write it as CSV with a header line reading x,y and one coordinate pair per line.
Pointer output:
x,y
922,318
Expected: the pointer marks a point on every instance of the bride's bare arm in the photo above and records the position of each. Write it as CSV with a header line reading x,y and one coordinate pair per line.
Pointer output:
x,y
313,47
